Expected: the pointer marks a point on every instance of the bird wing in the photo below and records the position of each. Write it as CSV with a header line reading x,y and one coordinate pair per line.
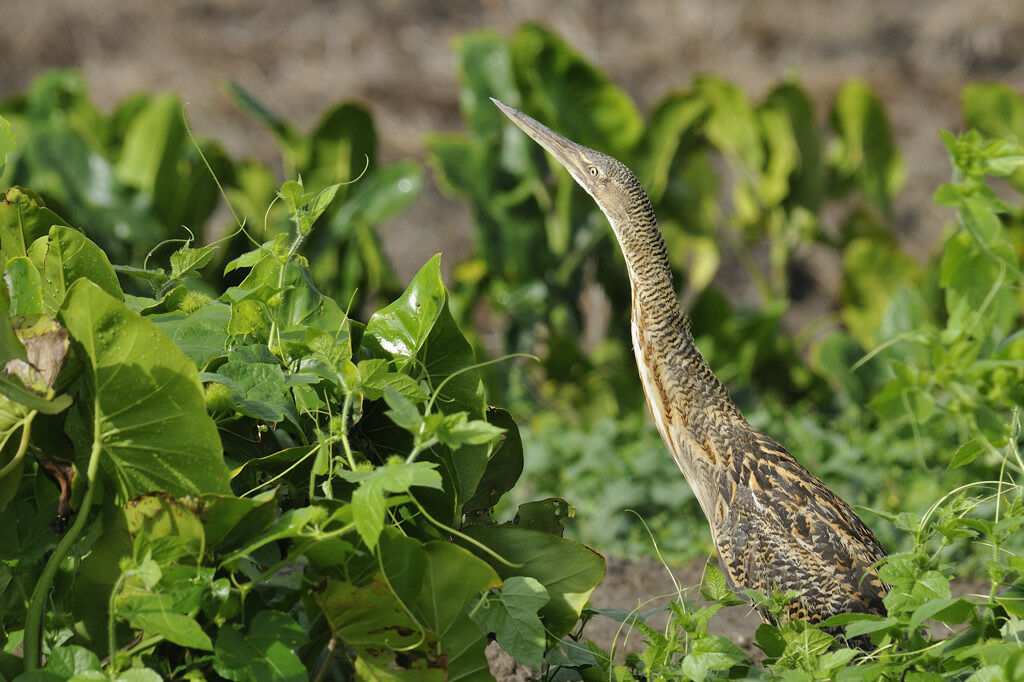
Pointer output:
x,y
778,527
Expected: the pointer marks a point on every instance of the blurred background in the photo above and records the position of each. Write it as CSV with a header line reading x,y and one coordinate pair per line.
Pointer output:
x,y
395,57
791,149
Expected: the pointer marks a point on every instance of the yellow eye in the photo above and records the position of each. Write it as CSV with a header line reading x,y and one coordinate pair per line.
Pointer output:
x,y
594,171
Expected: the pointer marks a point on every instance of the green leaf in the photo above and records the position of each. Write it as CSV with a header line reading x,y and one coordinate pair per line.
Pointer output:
x,y
368,616
873,269
289,139
945,609
512,616
572,95
24,286
548,515
452,582
368,505
460,431
567,570
188,261
23,219
402,327
865,150
229,520
387,191
265,652
403,412
504,467
145,394
200,335
257,388
67,661
711,652
715,588
152,616
374,379
152,148
64,257
995,109
6,141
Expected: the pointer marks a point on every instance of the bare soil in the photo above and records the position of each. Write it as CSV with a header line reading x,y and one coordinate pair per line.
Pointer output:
x,y
302,55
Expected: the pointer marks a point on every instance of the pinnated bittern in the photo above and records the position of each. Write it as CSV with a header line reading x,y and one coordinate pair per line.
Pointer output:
x,y
776,526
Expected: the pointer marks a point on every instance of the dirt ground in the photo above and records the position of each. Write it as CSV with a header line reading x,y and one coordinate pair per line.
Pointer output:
x,y
393,55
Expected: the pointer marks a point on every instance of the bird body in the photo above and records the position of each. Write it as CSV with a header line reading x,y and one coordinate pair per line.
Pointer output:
x,y
776,526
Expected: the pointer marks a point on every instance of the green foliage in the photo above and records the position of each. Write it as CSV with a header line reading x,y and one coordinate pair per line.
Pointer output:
x,y
541,243
254,484
259,487
135,181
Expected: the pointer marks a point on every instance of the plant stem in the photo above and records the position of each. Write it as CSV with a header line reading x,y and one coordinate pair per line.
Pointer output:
x,y
345,410
26,433
144,644
111,630
40,594
332,643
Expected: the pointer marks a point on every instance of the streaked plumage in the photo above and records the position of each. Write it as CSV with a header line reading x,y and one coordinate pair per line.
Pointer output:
x,y
775,525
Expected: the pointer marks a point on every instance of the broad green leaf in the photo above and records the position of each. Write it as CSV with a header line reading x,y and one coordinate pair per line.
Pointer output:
x,y
461,578
152,616
403,412
805,183
145,394
732,124
567,570
864,150
265,652
200,335
994,109
24,218
511,614
548,515
976,303
672,122
402,328
387,191
67,661
485,70
368,616
710,652
504,467
10,345
152,146
64,257
257,388
156,516
572,95
293,146
873,268
25,287
374,379
229,521
6,141
340,145
945,609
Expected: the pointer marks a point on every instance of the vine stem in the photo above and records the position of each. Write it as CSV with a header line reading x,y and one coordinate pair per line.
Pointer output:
x,y
40,594
26,433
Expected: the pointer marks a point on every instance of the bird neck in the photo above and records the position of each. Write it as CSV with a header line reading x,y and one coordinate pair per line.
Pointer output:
x,y
678,383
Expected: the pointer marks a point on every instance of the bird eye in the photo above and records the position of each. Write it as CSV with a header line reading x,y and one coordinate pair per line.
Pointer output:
x,y
594,171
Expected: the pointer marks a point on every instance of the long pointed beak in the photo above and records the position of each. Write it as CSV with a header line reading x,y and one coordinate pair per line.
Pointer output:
x,y
565,151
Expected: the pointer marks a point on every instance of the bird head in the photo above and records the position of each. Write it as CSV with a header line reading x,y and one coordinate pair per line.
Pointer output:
x,y
612,185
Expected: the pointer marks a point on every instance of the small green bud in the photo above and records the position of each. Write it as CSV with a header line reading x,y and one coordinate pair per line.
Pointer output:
x,y
192,302
218,399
